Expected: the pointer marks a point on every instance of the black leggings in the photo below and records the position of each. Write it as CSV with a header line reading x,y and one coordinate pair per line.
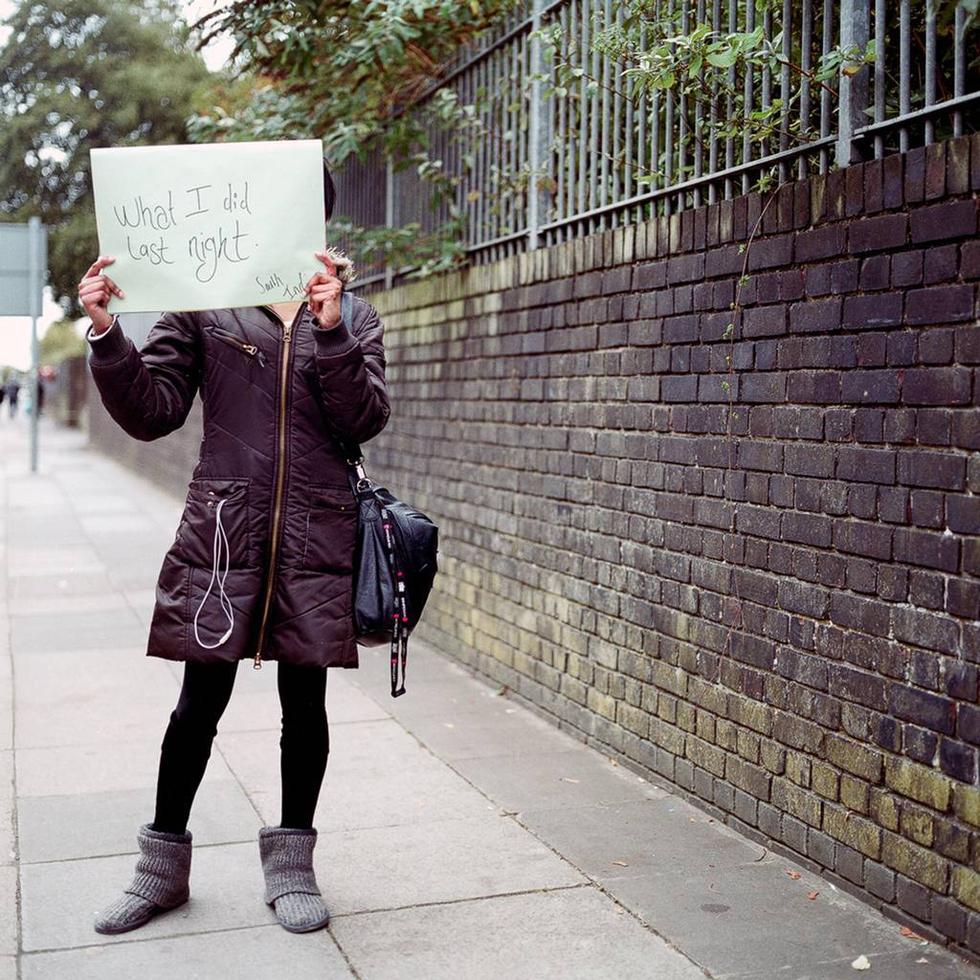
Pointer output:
x,y
186,748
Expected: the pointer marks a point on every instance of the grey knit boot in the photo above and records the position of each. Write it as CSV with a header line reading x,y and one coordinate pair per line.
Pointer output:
x,y
161,881
290,884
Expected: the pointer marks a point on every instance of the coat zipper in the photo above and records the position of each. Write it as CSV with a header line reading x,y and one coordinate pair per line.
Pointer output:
x,y
280,480
230,338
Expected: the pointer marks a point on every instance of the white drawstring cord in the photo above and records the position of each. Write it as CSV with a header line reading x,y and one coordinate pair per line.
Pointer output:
x,y
219,538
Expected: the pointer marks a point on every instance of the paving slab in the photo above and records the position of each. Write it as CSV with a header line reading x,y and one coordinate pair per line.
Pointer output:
x,y
550,935
371,764
78,825
255,953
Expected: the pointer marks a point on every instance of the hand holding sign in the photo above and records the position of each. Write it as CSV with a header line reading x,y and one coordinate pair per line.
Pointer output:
x,y
94,292
323,290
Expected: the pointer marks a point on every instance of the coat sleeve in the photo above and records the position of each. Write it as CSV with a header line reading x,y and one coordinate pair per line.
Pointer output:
x,y
149,391
350,367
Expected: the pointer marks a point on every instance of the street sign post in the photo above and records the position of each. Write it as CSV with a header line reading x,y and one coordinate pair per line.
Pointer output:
x,y
23,271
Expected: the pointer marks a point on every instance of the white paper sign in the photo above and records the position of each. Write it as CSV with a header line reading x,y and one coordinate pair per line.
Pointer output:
x,y
210,226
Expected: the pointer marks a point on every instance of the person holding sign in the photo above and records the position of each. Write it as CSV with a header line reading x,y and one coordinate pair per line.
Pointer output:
x,y
262,561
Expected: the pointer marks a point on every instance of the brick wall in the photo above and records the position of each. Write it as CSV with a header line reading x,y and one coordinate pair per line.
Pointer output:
x,y
775,607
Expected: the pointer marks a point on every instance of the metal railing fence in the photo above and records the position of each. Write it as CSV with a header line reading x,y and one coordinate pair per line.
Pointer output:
x,y
561,145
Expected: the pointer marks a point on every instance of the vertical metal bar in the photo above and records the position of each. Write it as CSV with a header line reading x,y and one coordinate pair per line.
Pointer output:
x,y
390,216
930,127
747,101
766,96
583,106
37,258
784,92
519,152
644,114
658,173
594,128
539,137
617,97
730,101
879,73
959,67
630,145
713,113
697,148
806,64
854,32
566,149
904,82
479,169
826,41
669,125
602,74
682,126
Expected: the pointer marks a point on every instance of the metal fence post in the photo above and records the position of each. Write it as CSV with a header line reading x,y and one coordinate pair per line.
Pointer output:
x,y
389,213
855,28
539,137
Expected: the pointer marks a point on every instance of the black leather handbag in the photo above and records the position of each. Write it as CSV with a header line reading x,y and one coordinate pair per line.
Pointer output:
x,y
394,565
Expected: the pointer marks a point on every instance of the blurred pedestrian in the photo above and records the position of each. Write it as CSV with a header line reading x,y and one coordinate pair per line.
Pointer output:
x,y
12,391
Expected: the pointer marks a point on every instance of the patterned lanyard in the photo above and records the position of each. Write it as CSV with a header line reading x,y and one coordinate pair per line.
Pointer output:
x,y
399,632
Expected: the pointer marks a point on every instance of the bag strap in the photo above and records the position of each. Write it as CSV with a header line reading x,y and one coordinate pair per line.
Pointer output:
x,y
351,450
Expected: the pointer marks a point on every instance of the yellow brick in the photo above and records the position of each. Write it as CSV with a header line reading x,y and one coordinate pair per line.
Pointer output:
x,y
966,804
853,829
798,768
915,862
918,782
853,757
854,793
917,824
966,887
884,808
824,780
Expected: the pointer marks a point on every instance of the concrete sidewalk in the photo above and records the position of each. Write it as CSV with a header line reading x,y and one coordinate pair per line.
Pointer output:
x,y
460,835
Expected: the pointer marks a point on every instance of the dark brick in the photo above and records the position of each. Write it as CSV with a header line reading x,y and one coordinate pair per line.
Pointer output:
x,y
883,232
922,468
866,465
927,549
913,897
822,242
936,386
879,880
939,304
958,760
926,629
875,273
963,514
650,275
951,219
919,744
893,180
874,310
961,680
768,253
815,316
907,268
878,387
940,264
856,685
759,321
931,711
915,174
948,918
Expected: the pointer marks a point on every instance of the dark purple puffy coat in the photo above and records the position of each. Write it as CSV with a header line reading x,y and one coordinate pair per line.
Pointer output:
x,y
261,565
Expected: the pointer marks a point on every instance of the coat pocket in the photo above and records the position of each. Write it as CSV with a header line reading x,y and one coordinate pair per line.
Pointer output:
x,y
331,529
240,344
196,534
